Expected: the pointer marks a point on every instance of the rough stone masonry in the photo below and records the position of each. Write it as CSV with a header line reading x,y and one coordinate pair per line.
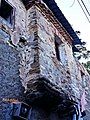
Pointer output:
x,y
30,70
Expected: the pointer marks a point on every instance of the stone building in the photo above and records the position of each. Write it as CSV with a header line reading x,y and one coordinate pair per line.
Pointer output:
x,y
40,79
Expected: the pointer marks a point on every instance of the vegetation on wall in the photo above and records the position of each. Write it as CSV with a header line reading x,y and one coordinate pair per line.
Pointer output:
x,y
87,66
83,54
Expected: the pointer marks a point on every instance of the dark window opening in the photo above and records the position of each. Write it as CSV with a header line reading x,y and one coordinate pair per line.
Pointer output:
x,y
6,11
58,42
57,50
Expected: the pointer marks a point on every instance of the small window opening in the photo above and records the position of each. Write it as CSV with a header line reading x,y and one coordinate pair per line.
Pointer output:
x,y
57,43
6,11
57,50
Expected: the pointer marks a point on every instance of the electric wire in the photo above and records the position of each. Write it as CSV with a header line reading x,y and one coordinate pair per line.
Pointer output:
x,y
85,7
83,11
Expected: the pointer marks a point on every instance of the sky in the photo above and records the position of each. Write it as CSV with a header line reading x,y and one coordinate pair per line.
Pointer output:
x,y
76,18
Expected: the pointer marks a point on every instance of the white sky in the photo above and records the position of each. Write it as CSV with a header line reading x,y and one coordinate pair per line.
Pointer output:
x,y
76,18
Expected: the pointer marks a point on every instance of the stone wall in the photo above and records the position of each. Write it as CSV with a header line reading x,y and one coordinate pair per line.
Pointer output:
x,y
11,88
38,55
10,84
83,79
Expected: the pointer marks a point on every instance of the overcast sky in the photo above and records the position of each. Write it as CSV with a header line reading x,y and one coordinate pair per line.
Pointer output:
x,y
76,18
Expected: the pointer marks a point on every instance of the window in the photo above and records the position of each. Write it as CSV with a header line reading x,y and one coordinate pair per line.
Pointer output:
x,y
57,50
57,45
7,12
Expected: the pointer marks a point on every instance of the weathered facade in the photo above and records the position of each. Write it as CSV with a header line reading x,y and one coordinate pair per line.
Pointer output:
x,y
37,65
